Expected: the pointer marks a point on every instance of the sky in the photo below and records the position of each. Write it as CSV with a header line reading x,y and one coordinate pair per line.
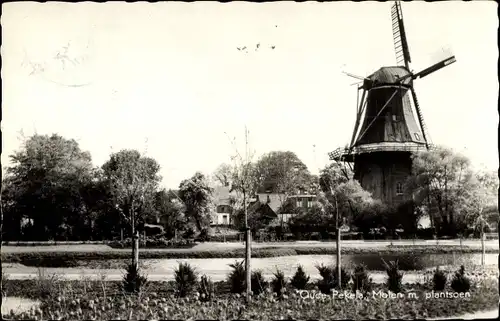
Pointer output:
x,y
168,80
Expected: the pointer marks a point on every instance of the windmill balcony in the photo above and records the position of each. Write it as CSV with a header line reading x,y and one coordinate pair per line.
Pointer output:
x,y
347,155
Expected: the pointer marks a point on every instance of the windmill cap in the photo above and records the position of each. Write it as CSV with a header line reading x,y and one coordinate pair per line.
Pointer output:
x,y
390,75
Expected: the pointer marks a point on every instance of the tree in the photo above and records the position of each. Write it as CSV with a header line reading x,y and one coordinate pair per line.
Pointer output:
x,y
133,180
224,175
483,200
343,196
442,181
44,186
197,197
244,183
284,173
309,220
170,211
337,185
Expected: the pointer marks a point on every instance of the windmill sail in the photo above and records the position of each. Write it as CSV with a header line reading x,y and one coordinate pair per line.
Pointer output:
x,y
435,67
421,122
398,31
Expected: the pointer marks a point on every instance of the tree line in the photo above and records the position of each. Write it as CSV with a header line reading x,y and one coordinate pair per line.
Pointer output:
x,y
52,191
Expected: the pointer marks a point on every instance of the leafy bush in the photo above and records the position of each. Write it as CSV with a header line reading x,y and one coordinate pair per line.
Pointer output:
x,y
300,279
361,281
225,238
278,283
186,279
394,276
204,236
460,283
133,280
258,283
439,280
329,278
47,286
4,284
153,242
189,233
206,289
236,277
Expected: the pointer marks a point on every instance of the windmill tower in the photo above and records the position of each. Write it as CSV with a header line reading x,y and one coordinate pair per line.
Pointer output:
x,y
386,131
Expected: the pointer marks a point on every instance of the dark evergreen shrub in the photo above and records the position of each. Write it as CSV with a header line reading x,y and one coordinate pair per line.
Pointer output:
x,y
394,276
361,280
300,279
206,289
258,282
439,280
133,280
186,280
236,277
460,283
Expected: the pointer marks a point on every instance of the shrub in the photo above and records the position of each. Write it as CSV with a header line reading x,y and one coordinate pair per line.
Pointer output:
x,y
394,276
300,279
258,283
189,233
279,283
236,277
361,281
204,236
439,280
206,289
186,279
133,280
3,285
329,278
46,286
460,283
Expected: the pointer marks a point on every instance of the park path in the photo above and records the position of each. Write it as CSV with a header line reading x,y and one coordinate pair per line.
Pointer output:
x,y
492,314
211,246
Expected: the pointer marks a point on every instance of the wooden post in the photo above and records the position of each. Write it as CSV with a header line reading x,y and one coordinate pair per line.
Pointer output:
x,y
136,249
483,236
339,274
248,254
135,242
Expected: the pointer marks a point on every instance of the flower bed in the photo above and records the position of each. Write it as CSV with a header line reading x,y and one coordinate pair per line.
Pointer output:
x,y
91,302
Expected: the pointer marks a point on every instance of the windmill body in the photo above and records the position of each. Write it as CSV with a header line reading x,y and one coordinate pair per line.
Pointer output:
x,y
388,128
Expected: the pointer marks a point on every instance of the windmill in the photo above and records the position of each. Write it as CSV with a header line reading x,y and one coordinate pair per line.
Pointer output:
x,y
386,132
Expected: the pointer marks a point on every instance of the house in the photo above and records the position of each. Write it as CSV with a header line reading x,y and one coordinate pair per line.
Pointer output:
x,y
275,202
223,207
264,209
278,203
298,201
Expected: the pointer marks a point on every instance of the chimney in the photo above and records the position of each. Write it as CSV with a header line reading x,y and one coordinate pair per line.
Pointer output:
x,y
268,199
257,198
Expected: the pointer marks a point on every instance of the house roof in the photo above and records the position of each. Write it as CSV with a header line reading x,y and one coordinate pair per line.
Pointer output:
x,y
263,209
274,202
